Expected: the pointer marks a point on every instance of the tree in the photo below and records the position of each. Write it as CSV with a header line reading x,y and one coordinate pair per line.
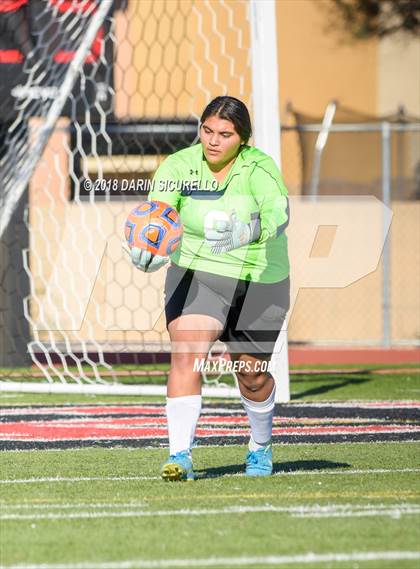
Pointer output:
x,y
378,18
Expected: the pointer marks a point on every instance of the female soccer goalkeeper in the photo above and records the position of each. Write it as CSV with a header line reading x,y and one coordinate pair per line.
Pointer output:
x,y
228,279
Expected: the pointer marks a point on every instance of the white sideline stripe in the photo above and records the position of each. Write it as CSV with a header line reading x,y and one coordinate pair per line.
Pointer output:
x,y
337,510
78,479
68,505
283,473
371,513
231,561
300,508
145,514
392,512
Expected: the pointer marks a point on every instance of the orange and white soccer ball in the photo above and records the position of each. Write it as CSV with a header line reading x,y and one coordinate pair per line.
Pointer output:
x,y
154,226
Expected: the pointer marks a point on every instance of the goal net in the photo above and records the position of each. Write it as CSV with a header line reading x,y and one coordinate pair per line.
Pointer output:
x,y
95,96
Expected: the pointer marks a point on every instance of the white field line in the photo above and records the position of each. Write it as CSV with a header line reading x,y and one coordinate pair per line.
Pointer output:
x,y
282,473
68,505
232,561
396,514
332,510
391,511
301,508
152,448
143,513
78,479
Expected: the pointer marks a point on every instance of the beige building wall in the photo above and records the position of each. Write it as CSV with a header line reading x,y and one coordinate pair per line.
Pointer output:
x,y
405,270
317,65
398,74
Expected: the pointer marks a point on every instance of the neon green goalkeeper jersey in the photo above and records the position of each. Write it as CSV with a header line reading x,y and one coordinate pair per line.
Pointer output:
x,y
254,188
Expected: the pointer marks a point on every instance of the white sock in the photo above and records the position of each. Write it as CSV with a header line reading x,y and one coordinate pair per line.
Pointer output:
x,y
182,415
260,415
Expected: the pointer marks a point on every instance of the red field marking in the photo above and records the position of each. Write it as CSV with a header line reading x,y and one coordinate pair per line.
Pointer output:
x,y
59,424
210,420
125,429
151,410
161,420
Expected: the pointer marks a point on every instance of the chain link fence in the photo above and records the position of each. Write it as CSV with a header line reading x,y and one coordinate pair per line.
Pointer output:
x,y
356,155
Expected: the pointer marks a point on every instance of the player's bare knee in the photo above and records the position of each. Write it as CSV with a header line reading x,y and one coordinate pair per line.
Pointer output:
x,y
182,361
253,381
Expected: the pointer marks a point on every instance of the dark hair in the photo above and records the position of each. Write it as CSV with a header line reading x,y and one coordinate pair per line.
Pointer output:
x,y
233,110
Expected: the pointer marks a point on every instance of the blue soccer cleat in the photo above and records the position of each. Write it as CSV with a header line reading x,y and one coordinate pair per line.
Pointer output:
x,y
260,462
178,467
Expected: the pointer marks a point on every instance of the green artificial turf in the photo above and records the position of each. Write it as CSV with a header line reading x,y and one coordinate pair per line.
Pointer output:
x,y
306,476
108,507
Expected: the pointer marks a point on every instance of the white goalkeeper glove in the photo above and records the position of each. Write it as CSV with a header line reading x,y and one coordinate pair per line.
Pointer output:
x,y
224,235
144,260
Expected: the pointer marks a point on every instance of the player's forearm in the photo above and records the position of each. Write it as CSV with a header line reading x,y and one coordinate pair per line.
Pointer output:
x,y
270,194
274,218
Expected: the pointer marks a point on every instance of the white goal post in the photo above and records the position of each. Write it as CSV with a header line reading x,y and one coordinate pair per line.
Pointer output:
x,y
92,117
266,123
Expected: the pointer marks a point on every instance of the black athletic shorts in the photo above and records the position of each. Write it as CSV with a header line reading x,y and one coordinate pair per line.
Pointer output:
x,y
251,313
